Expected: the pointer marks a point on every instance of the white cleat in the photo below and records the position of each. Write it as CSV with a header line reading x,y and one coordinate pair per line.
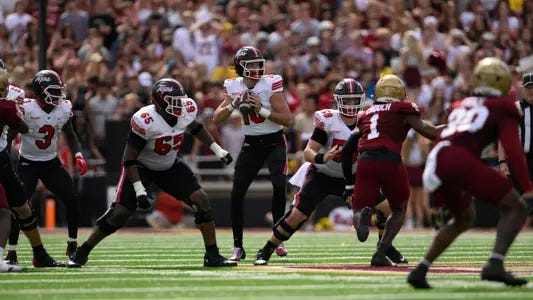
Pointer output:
x,y
5,267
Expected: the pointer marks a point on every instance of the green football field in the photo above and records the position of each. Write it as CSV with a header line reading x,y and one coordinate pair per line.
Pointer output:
x,y
142,264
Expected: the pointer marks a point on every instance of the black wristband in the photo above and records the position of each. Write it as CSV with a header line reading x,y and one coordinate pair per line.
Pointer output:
x,y
503,161
319,158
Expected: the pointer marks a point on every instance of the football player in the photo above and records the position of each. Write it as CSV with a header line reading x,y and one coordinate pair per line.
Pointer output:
x,y
151,156
489,115
264,138
383,127
10,116
324,175
48,115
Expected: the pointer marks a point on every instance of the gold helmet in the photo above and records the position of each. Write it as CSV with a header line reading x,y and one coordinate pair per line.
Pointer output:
x,y
4,85
390,88
491,77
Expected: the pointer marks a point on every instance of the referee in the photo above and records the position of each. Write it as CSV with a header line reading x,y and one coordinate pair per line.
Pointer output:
x,y
525,106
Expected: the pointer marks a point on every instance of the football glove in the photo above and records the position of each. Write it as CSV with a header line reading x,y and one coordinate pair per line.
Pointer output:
x,y
81,164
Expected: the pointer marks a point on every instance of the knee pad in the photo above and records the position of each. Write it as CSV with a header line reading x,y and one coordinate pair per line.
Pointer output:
x,y
203,217
286,227
28,223
380,219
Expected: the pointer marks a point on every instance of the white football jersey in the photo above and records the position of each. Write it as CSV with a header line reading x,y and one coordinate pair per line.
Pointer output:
x,y
163,142
15,94
254,124
338,132
40,143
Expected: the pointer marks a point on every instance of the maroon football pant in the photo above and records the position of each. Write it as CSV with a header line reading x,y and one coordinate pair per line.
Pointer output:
x,y
463,175
373,175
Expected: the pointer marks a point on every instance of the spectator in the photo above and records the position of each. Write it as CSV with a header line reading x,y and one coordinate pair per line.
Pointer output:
x,y
77,18
101,108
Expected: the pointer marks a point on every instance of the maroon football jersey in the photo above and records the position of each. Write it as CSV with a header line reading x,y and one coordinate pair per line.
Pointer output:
x,y
476,122
383,126
9,114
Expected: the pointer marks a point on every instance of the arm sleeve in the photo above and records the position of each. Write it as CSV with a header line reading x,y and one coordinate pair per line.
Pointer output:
x,y
136,141
515,154
349,151
319,136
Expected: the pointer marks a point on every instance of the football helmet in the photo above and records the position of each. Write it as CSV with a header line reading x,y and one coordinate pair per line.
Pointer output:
x,y
4,85
167,96
390,88
48,87
350,96
244,57
491,77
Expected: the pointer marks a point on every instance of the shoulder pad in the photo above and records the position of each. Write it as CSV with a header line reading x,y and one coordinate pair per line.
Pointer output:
x,y
322,118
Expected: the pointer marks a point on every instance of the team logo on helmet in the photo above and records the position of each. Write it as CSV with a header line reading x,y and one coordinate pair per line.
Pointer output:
x,y
168,95
48,87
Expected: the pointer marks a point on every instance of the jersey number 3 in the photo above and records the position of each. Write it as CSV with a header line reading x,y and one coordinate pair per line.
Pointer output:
x,y
48,131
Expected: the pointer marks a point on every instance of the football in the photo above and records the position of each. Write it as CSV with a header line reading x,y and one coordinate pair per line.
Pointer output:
x,y
245,105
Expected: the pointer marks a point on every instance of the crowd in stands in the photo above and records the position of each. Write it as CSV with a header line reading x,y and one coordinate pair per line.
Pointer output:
x,y
110,52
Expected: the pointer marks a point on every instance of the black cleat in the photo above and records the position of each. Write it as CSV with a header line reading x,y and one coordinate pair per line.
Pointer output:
x,y
71,248
217,260
262,257
363,224
417,278
379,259
47,261
395,256
79,258
497,273
11,258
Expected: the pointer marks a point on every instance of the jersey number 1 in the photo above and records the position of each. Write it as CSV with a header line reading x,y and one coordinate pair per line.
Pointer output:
x,y
48,131
374,133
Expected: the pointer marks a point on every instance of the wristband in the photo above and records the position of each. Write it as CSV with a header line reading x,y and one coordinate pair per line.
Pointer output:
x,y
139,188
503,161
265,113
78,154
216,149
319,158
349,187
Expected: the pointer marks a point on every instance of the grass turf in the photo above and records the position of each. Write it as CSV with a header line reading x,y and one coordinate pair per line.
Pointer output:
x,y
142,264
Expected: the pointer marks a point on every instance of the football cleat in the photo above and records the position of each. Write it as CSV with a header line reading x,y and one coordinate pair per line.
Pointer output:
x,y
262,257
281,250
217,260
492,272
5,267
11,257
379,259
363,224
395,256
79,258
238,254
417,278
47,261
71,248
